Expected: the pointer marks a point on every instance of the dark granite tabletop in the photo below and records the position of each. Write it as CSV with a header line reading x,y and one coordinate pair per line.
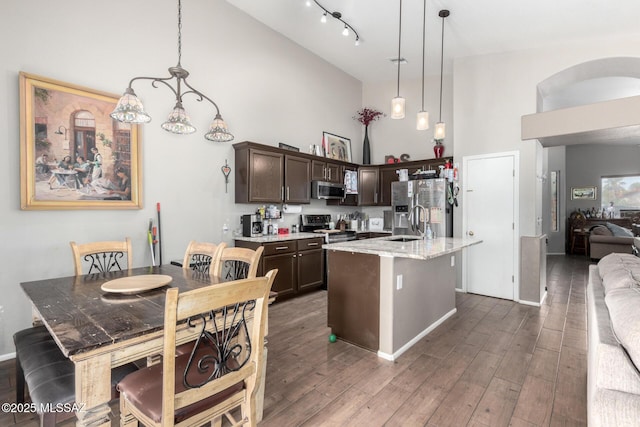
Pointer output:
x,y
82,317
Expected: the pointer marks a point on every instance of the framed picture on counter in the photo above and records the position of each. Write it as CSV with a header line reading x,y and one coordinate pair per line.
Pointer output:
x,y
336,147
73,155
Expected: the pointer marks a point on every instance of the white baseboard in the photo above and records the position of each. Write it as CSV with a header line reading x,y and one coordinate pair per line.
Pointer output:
x,y
417,338
7,356
535,304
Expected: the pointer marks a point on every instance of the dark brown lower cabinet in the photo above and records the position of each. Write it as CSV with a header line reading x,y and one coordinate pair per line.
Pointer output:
x,y
300,264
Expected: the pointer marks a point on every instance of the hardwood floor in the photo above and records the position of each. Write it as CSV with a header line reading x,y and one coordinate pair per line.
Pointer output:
x,y
494,363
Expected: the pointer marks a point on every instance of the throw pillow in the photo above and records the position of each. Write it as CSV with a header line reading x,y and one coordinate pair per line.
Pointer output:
x,y
619,231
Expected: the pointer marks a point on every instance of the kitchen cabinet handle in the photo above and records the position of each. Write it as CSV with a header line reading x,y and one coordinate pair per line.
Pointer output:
x,y
300,255
282,192
281,248
312,244
324,172
294,256
329,174
287,192
375,197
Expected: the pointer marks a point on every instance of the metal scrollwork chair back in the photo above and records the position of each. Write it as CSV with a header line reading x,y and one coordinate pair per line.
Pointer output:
x,y
238,263
200,256
102,257
222,371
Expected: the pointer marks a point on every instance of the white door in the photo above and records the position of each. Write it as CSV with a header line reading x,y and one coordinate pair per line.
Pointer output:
x,y
490,215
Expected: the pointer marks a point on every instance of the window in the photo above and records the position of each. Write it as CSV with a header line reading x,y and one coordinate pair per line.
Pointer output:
x,y
621,195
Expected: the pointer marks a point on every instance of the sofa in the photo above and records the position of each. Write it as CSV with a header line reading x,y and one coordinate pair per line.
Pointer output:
x,y
609,238
613,325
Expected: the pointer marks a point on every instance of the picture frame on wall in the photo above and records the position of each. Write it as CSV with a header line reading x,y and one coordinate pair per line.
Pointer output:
x,y
336,147
584,193
73,155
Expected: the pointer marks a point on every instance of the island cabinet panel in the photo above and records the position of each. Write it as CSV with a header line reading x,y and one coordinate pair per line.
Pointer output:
x,y
354,297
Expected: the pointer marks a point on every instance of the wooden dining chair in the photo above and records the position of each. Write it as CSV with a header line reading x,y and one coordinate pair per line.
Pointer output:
x,y
200,256
221,372
102,257
238,263
40,364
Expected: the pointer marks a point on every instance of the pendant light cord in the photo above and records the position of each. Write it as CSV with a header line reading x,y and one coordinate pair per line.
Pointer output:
x,y
424,31
399,40
441,62
179,31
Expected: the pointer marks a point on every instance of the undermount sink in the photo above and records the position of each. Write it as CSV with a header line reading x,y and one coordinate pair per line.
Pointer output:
x,y
404,239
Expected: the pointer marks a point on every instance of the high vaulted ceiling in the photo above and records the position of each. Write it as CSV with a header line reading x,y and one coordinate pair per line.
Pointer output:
x,y
474,27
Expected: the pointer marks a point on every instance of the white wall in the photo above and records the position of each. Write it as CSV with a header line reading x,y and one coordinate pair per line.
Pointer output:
x,y
492,92
269,90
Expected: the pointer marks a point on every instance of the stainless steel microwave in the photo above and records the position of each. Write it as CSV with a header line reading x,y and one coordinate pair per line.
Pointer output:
x,y
327,190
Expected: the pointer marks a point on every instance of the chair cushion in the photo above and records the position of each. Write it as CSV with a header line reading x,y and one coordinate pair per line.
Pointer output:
x,y
50,375
143,389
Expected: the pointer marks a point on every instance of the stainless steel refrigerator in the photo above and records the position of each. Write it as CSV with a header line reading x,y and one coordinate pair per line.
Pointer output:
x,y
408,198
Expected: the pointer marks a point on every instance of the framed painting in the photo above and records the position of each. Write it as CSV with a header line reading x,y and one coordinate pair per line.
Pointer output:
x,y
583,193
336,147
73,155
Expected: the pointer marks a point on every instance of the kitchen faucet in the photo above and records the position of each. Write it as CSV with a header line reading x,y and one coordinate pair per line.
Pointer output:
x,y
423,212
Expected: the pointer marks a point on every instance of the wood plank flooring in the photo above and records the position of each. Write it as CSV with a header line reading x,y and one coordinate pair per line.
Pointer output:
x,y
494,363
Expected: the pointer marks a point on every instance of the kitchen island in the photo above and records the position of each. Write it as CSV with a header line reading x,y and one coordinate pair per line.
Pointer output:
x,y
387,293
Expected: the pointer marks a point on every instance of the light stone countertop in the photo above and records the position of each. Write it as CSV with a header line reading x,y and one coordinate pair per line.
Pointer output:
x,y
279,237
417,249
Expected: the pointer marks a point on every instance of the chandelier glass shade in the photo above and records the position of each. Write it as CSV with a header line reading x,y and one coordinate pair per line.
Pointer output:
x,y
129,108
422,120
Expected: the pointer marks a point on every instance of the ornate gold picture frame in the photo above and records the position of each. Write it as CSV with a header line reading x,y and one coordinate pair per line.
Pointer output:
x,y
73,155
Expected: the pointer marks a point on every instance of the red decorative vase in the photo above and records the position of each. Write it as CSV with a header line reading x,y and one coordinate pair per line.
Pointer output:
x,y
438,150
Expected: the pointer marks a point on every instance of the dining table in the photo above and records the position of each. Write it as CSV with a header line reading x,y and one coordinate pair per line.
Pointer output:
x,y
100,330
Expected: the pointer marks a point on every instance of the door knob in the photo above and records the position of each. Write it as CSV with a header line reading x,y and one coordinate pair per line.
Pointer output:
x,y
470,233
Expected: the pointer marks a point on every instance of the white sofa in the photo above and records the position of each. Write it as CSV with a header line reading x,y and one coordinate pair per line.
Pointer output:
x,y
613,314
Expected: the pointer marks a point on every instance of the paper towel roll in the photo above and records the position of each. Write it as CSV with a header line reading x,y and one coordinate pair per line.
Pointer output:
x,y
291,208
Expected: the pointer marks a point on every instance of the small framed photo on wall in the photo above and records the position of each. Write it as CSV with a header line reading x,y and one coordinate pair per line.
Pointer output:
x,y
583,193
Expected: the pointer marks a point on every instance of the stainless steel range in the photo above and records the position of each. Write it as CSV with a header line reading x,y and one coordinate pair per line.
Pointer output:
x,y
320,224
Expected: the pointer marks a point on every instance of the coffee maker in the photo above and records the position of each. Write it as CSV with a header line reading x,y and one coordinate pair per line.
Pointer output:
x,y
251,225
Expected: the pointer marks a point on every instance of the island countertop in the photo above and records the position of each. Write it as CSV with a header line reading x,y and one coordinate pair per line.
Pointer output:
x,y
417,248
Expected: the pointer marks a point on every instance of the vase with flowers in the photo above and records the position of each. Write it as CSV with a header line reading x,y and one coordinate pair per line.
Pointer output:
x,y
366,116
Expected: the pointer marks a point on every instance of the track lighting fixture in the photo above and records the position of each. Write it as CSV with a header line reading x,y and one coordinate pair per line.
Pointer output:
x,y
338,16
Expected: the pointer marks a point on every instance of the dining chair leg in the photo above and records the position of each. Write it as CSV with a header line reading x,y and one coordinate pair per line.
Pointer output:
x,y
19,381
126,418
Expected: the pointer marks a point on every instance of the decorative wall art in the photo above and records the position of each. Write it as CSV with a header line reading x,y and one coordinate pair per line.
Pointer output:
x,y
73,155
336,147
583,193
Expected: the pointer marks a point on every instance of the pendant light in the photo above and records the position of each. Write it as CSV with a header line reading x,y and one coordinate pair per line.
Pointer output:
x,y
439,131
130,109
422,120
397,103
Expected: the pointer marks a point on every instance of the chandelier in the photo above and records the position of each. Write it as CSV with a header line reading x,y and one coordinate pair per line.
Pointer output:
x,y
130,109
439,131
